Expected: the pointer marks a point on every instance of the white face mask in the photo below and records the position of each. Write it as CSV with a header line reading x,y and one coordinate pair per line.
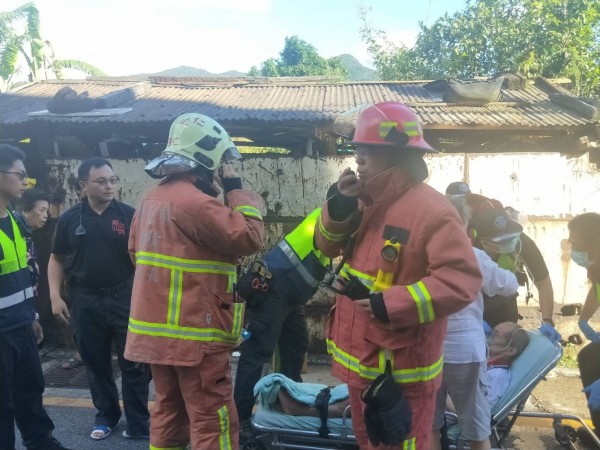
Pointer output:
x,y
581,258
501,248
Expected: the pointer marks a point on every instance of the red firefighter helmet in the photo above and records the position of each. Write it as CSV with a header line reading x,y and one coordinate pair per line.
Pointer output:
x,y
388,124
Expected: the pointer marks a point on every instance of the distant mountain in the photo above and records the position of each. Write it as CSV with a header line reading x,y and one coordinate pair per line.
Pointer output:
x,y
356,71
187,71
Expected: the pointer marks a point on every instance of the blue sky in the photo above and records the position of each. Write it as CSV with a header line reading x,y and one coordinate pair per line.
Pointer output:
x,y
124,37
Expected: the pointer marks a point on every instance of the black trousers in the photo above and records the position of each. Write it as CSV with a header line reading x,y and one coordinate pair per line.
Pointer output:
x,y
274,320
589,369
21,389
99,320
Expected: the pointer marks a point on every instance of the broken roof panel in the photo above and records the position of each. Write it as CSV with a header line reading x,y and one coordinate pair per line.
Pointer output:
x,y
282,101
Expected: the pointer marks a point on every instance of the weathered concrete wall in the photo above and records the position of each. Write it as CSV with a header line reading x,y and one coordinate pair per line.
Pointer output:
x,y
548,190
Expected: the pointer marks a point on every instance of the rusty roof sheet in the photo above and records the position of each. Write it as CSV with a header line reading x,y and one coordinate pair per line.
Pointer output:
x,y
281,102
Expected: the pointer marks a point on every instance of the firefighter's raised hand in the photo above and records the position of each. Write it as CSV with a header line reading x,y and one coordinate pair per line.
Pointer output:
x,y
348,183
60,310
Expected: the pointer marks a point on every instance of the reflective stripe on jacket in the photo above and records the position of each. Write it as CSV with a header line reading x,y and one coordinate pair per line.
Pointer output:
x,y
185,245
15,281
435,275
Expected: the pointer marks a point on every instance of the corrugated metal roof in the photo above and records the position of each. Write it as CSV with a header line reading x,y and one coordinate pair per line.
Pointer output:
x,y
289,103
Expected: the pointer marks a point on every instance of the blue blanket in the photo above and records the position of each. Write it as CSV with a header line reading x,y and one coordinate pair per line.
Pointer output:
x,y
306,393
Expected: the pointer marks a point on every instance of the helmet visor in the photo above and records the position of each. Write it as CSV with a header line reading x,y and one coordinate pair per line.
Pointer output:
x,y
231,154
345,123
169,164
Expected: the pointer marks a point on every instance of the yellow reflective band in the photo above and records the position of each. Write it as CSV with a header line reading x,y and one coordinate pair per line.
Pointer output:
x,y
191,333
185,265
178,447
410,444
419,374
411,128
385,128
334,237
365,278
175,297
422,299
402,376
224,440
249,211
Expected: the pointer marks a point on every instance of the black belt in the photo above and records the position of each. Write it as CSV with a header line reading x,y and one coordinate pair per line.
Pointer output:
x,y
106,291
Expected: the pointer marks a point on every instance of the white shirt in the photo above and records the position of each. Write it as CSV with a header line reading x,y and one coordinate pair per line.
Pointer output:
x,y
465,340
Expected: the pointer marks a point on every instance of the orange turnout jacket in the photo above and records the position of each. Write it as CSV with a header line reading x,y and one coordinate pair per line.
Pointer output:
x,y
435,275
186,246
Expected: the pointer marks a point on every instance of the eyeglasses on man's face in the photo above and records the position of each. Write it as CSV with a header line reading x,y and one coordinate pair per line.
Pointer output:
x,y
21,175
105,181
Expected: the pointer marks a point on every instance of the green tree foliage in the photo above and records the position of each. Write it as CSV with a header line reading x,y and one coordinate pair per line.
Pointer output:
x,y
20,36
299,58
547,38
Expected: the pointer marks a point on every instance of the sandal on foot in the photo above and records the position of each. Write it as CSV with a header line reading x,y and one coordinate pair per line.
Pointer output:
x,y
100,432
71,363
128,436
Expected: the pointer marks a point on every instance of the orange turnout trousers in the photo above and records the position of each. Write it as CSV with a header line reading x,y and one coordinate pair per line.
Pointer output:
x,y
194,404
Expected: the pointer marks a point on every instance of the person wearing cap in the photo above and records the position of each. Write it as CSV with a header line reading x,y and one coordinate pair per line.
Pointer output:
x,y
457,189
406,244
185,315
504,241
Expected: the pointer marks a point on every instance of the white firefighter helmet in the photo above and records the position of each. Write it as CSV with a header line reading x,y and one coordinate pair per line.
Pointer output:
x,y
193,139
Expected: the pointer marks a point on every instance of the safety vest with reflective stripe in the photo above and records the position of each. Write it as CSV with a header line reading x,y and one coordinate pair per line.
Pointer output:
x,y
298,244
170,327
15,281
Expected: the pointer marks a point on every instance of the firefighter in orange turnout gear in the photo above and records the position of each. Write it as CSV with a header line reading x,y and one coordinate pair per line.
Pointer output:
x,y
435,274
184,317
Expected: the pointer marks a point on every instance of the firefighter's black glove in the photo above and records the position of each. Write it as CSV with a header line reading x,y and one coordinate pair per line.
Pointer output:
x,y
230,184
388,417
353,288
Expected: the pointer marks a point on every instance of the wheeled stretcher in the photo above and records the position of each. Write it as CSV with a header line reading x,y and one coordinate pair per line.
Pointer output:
x,y
287,431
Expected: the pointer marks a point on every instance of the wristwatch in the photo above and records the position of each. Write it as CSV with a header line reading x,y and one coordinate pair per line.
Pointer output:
x,y
36,317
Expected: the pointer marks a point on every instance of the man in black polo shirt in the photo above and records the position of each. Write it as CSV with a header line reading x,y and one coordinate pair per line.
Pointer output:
x,y
93,236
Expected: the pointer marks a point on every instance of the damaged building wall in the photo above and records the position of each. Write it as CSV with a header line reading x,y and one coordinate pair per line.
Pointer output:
x,y
548,189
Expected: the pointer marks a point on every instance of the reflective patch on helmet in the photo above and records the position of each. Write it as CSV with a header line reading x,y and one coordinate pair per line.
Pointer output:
x,y
203,159
385,128
217,129
208,143
411,128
